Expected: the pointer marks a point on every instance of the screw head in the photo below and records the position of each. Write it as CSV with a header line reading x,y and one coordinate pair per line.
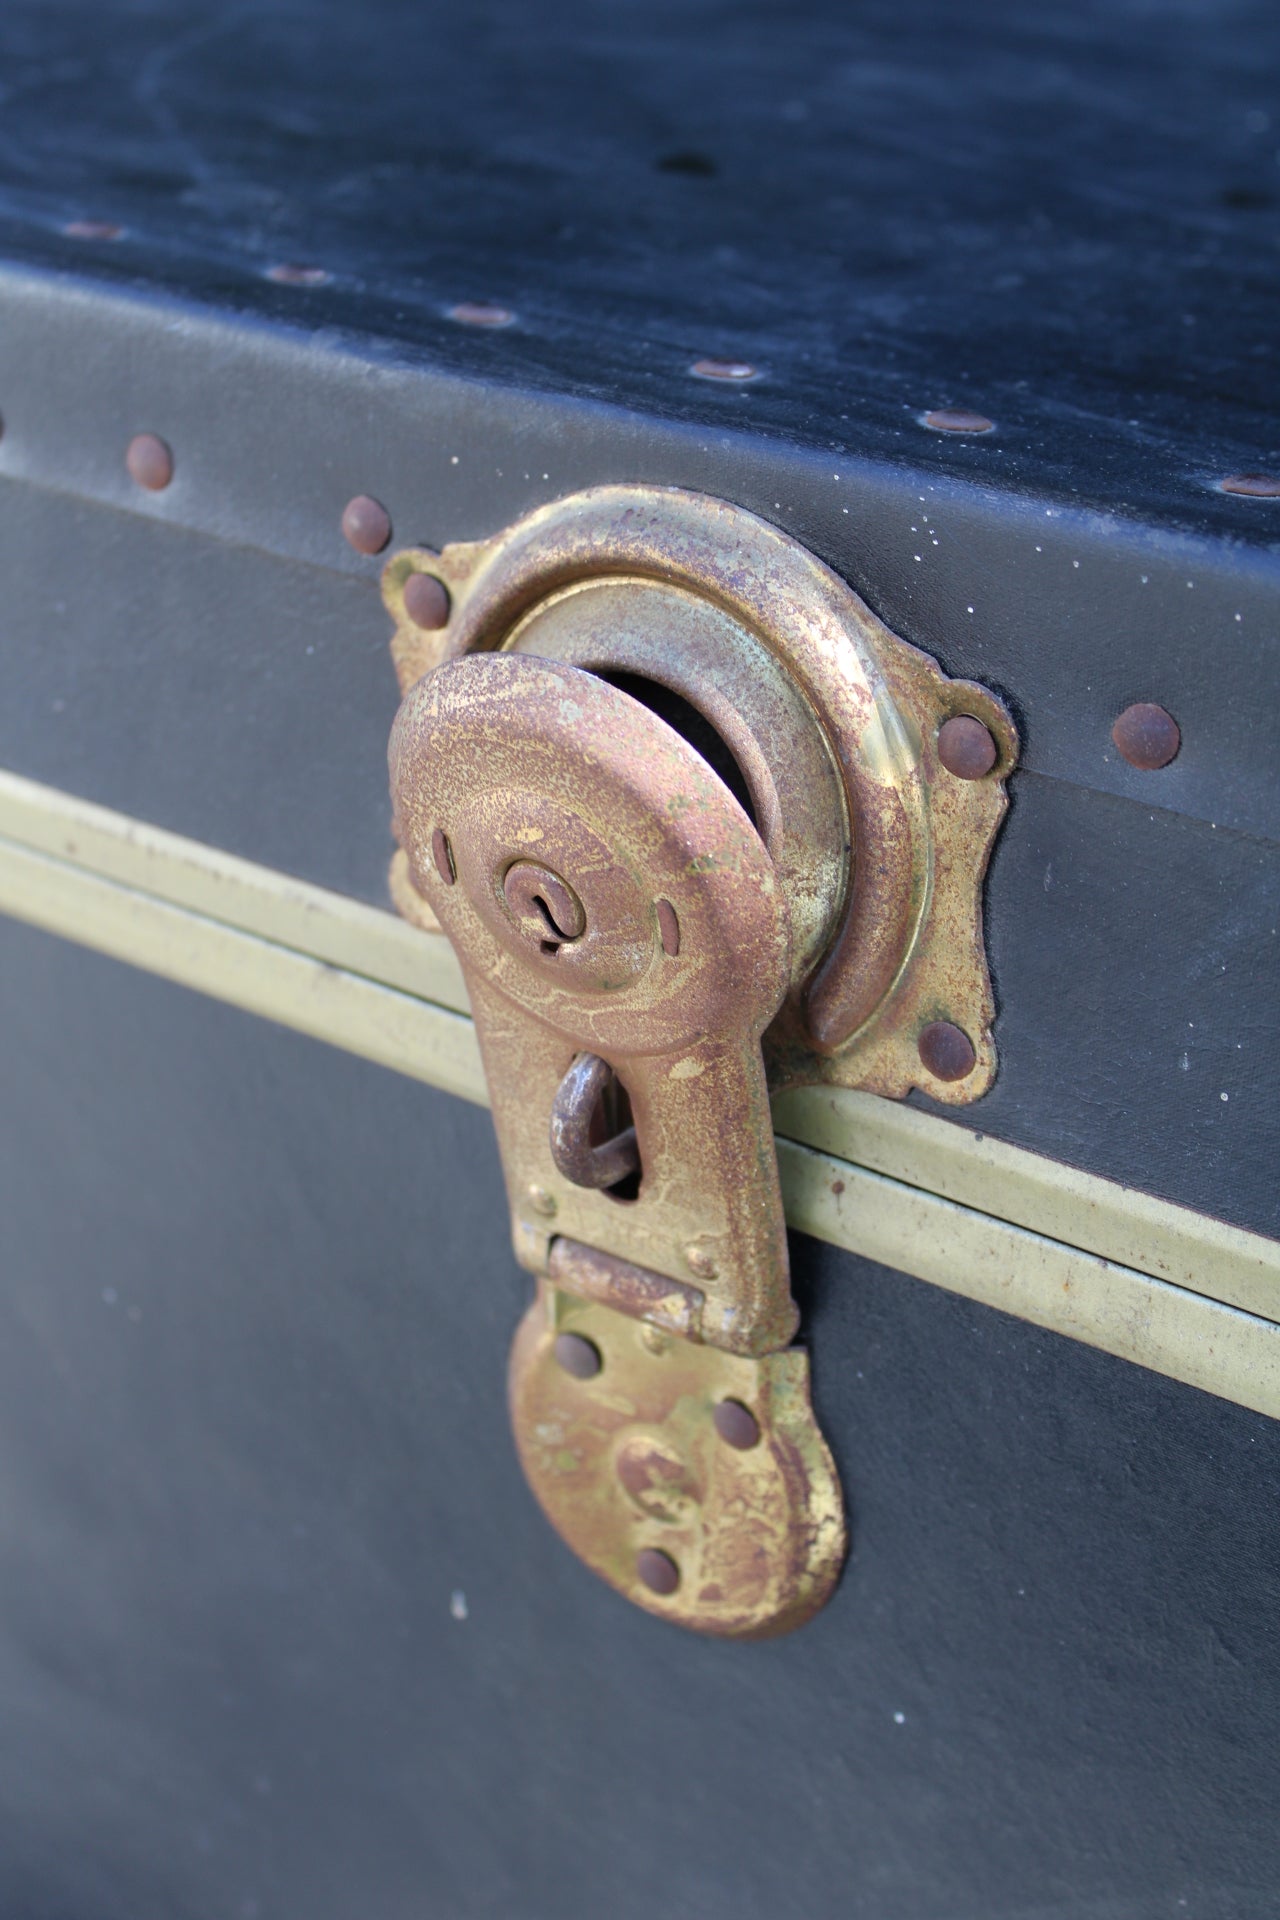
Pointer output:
x,y
577,1355
700,1260
946,1051
657,1571
736,1425
542,1202
956,420
150,462
1146,736
966,748
426,601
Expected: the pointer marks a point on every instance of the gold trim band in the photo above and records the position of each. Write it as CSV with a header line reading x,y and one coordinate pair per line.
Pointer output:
x,y
1156,1284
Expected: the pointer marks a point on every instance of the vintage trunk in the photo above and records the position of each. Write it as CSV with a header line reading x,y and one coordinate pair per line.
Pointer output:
x,y
694,412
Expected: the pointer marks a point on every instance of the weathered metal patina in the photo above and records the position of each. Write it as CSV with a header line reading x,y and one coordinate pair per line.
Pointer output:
x,y
699,828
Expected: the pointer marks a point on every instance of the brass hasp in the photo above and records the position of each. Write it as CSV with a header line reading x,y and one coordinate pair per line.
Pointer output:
x,y
699,828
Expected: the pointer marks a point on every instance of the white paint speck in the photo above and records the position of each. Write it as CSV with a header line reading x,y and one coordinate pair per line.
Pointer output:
x,y
458,1604
1185,1063
453,459
899,1719
1224,1096
1075,563
918,556
970,609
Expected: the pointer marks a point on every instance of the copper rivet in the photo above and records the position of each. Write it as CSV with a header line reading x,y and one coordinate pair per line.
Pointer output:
x,y
542,1202
578,1355
426,601
723,370
657,1570
669,928
366,523
442,854
700,1260
736,1425
946,1051
1146,736
93,230
291,273
957,420
1255,486
965,747
149,461
477,313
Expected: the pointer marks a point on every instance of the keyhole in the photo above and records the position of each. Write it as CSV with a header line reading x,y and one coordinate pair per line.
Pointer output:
x,y
545,906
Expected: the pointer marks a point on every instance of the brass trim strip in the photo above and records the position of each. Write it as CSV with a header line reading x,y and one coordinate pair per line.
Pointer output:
x,y
1154,1283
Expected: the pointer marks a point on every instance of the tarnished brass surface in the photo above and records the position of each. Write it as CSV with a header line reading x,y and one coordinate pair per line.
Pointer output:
x,y
832,720
631,1459
516,756
679,801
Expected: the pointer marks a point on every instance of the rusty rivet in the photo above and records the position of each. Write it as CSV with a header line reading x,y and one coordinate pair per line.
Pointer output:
x,y
657,1570
426,601
1254,486
956,420
542,1202
478,313
578,1355
669,928
93,230
1146,736
366,523
946,1051
292,273
736,1425
965,747
442,854
723,370
149,461
700,1260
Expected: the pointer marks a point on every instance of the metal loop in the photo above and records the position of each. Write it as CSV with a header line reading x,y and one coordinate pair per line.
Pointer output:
x,y
572,1112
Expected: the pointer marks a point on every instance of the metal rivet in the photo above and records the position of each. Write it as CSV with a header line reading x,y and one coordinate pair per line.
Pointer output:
x,y
1146,736
669,928
966,748
946,1051
366,524
657,1570
956,420
149,461
700,1260
578,1355
477,313
292,273
655,1339
1254,486
542,1202
426,601
93,230
736,1425
723,370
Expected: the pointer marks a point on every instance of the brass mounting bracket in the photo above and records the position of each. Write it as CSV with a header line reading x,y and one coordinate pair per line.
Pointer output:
x,y
699,828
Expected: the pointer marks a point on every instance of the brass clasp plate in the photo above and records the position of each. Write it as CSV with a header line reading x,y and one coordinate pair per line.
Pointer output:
x,y
688,814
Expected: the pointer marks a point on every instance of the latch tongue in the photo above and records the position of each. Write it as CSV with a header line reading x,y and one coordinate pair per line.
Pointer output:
x,y
618,917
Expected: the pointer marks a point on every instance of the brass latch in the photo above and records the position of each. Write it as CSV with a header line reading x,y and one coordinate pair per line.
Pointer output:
x,y
691,817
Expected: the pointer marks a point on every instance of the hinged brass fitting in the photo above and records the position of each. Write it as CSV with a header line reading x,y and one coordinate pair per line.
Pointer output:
x,y
699,828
